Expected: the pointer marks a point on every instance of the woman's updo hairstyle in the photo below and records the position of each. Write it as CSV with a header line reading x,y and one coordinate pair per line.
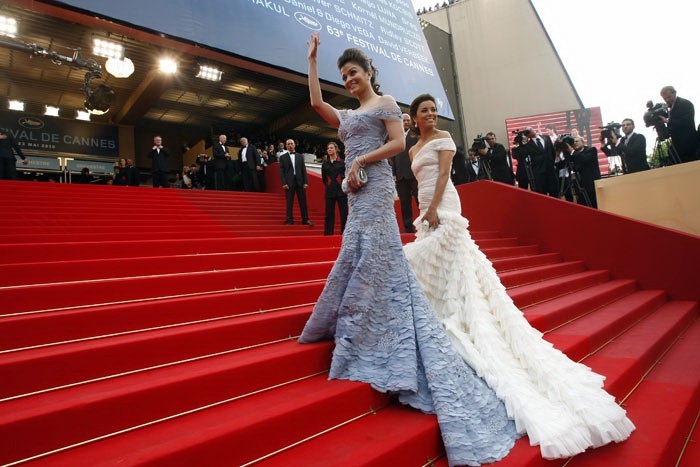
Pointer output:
x,y
357,56
413,110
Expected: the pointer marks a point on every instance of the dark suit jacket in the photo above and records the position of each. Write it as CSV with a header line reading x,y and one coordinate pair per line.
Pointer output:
x,y
634,152
586,164
472,175
160,163
251,156
332,174
498,159
219,154
290,177
7,145
681,127
401,163
540,159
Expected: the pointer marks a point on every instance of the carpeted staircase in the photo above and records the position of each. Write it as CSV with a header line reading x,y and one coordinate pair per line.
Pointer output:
x,y
159,326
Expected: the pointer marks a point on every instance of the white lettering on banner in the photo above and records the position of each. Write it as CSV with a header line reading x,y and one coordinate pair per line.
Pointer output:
x,y
272,6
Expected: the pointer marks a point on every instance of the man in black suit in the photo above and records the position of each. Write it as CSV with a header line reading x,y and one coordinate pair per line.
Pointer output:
x,y
681,124
540,153
474,167
8,162
220,157
250,165
632,148
159,155
495,155
406,183
294,181
585,160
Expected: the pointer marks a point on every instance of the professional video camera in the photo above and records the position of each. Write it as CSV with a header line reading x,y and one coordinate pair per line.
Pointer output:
x,y
520,137
654,112
612,128
560,145
479,142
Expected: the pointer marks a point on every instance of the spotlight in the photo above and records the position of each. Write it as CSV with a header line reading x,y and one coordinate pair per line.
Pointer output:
x,y
209,72
103,48
168,65
8,26
16,105
51,111
98,100
83,115
120,68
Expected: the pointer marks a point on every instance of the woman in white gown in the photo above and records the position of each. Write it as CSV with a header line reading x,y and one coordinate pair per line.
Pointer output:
x,y
560,404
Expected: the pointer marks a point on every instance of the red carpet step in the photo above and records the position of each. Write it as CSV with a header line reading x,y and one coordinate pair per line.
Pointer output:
x,y
166,333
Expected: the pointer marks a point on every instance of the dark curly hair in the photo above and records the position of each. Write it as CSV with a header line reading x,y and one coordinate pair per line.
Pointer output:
x,y
359,57
413,109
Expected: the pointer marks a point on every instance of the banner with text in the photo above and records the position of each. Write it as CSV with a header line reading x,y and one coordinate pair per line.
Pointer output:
x,y
52,134
275,31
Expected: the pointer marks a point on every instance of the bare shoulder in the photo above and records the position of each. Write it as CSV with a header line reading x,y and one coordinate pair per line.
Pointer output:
x,y
444,134
387,99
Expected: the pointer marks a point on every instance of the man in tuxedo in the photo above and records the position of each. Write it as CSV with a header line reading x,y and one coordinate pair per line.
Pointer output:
x,y
585,160
8,163
681,124
475,170
406,183
220,157
250,165
159,155
632,148
496,156
294,181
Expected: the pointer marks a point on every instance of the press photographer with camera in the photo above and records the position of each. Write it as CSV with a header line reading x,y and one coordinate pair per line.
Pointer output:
x,y
681,124
494,155
535,155
585,165
631,148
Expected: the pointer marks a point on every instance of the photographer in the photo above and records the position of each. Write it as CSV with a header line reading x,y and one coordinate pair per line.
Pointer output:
x,y
564,146
495,156
632,148
535,154
585,163
681,124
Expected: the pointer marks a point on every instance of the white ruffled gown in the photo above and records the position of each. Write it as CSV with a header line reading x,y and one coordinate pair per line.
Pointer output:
x,y
560,404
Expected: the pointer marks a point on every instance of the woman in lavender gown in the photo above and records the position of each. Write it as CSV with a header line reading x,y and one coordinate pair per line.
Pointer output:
x,y
372,305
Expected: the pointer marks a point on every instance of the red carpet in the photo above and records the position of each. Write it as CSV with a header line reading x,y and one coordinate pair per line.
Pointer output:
x,y
158,326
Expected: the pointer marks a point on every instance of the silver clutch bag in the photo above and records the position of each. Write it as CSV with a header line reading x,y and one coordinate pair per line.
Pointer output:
x,y
361,178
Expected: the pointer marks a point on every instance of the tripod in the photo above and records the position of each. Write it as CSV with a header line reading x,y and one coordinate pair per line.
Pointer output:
x,y
672,157
578,191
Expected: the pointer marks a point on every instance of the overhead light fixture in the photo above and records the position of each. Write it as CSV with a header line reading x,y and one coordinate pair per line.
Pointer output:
x,y
16,105
8,26
210,73
120,68
108,49
168,65
83,115
51,111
